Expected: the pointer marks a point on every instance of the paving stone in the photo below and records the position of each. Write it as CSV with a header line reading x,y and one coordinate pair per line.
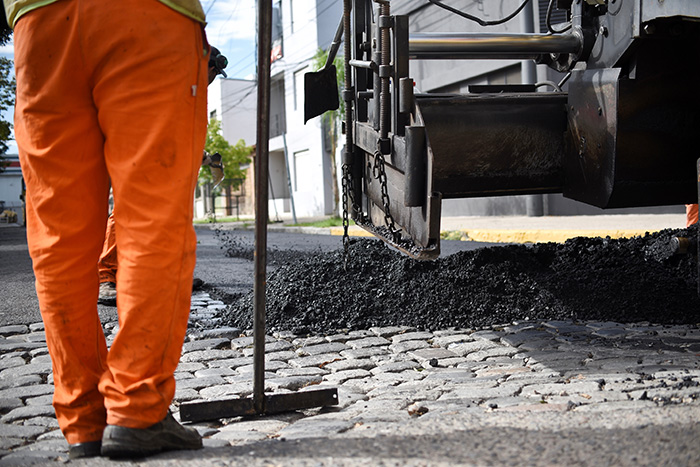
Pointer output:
x,y
366,342
482,355
22,413
351,364
406,346
396,367
292,383
41,358
313,340
314,360
224,391
231,362
319,349
253,430
449,375
12,346
272,366
205,344
10,430
411,336
488,335
431,353
281,356
247,341
636,405
7,444
48,422
465,348
598,325
52,434
365,352
311,428
11,363
445,340
529,335
28,369
389,331
342,376
23,392
9,403
308,371
27,380
400,377
199,383
13,329
190,367
186,395
453,362
219,371
207,355
223,332
36,326
40,400
537,390
610,332
476,393
277,346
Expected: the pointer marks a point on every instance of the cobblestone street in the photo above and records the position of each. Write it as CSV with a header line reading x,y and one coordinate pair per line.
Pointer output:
x,y
401,382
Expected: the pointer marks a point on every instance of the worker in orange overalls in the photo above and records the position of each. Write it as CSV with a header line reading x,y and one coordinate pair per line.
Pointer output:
x,y
107,264
112,91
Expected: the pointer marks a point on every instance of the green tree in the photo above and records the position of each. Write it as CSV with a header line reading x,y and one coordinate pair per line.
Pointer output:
x,y
232,157
332,119
7,97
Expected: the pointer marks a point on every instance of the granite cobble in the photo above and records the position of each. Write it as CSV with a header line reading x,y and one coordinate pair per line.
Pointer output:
x,y
385,376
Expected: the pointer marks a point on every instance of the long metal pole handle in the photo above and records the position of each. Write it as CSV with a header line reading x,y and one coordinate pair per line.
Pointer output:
x,y
261,199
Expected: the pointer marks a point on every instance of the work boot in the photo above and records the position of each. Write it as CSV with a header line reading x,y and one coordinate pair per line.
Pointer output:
x,y
108,294
166,435
84,450
197,283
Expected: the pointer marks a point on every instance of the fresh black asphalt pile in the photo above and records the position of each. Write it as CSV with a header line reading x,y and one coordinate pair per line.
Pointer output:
x,y
621,280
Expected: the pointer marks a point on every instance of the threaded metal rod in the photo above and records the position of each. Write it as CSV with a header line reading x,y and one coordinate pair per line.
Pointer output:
x,y
436,45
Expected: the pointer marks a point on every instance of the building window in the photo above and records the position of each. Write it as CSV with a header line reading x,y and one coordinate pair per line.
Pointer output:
x,y
302,168
299,88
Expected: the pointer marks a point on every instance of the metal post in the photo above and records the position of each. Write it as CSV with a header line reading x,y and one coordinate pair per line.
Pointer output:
x,y
261,209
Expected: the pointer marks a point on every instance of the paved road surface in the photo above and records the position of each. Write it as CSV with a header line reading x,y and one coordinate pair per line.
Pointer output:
x,y
530,393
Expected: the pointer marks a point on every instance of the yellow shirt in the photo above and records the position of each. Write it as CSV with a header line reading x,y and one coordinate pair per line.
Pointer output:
x,y
16,8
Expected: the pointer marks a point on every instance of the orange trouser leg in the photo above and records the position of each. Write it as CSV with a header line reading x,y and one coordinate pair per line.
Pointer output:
x,y
97,100
691,214
107,265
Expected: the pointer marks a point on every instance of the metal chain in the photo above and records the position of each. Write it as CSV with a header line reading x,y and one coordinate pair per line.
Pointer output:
x,y
346,221
379,172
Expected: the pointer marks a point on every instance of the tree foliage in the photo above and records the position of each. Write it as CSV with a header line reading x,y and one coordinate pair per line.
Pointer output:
x,y
7,97
232,156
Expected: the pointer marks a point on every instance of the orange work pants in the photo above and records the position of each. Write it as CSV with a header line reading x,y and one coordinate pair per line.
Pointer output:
x,y
107,265
691,214
111,90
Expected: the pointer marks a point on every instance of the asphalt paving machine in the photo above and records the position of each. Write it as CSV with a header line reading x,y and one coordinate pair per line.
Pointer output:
x,y
624,134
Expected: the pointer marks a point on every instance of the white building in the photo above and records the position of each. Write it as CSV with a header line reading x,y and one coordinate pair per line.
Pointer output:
x,y
300,168
12,187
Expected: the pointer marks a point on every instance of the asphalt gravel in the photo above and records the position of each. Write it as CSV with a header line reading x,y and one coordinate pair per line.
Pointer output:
x,y
621,280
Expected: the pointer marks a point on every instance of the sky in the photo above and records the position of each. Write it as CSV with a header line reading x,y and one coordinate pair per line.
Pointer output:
x,y
230,28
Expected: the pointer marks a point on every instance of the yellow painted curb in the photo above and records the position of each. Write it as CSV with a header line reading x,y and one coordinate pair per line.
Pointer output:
x,y
353,231
513,235
542,236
